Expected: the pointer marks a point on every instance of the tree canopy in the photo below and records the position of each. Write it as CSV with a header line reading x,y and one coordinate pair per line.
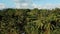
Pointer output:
x,y
30,21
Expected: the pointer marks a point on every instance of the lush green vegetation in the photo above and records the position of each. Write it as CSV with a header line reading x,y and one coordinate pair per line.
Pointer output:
x,y
30,21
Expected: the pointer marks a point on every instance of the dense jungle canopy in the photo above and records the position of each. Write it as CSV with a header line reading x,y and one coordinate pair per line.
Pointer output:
x,y
30,21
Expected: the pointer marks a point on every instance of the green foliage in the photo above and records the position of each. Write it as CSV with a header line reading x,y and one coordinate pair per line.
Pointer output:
x,y
27,21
